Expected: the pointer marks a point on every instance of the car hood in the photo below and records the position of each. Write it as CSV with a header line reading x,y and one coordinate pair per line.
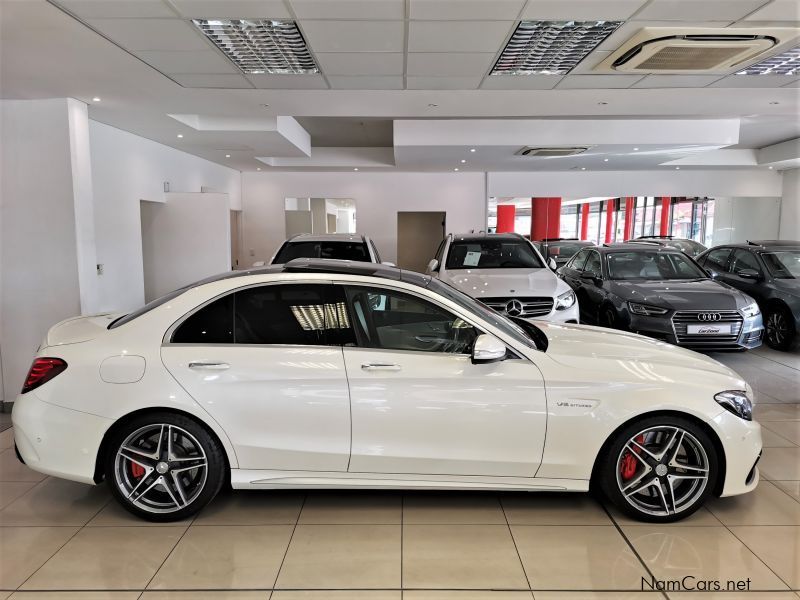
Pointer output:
x,y
505,283
702,294
610,351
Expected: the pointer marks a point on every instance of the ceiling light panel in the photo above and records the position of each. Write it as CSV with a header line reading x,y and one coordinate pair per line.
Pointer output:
x,y
260,45
785,63
551,47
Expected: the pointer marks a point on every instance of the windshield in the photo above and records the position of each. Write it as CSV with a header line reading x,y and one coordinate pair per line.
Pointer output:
x,y
502,323
784,264
653,266
492,254
339,250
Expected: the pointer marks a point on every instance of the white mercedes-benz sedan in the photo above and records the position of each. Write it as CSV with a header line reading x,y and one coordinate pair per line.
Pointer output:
x,y
333,374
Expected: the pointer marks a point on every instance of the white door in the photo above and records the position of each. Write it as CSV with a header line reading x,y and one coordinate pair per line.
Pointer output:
x,y
266,363
420,406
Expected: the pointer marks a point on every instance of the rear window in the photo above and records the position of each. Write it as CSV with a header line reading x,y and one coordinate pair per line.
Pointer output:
x,y
356,251
148,307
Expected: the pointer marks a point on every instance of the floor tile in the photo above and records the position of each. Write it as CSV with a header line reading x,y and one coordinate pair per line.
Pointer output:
x,y
789,430
466,595
778,547
706,553
771,439
223,557
553,509
777,412
337,508
25,549
337,595
252,508
584,558
598,596
13,470
113,515
730,596
6,439
765,505
11,490
82,595
56,502
780,463
215,595
461,556
449,508
342,557
790,487
107,558
701,518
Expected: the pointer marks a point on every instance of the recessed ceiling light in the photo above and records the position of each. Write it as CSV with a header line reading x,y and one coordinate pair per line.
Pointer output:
x,y
356,169
635,149
180,135
472,149
227,156
95,99
769,167
550,47
677,168
785,63
260,45
605,160
456,169
583,168
463,161
258,168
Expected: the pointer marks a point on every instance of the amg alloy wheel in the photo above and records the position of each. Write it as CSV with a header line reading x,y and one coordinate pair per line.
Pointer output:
x,y
662,471
164,469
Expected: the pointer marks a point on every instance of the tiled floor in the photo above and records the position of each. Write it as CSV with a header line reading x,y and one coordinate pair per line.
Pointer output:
x,y
68,541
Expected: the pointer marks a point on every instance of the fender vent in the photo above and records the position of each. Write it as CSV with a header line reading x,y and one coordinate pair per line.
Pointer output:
x,y
550,152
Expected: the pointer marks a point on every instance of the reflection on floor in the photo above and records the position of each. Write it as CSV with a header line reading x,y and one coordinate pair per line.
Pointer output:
x,y
57,535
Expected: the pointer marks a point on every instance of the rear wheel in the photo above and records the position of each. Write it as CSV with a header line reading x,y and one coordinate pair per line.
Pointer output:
x,y
660,469
779,325
164,467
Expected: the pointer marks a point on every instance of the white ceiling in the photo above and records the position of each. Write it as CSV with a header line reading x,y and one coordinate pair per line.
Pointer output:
x,y
380,61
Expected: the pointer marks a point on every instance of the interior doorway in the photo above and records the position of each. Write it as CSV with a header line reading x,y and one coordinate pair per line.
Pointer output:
x,y
418,237
236,239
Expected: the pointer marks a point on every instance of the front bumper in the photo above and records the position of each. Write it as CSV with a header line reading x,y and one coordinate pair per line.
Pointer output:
x,y
663,328
55,440
742,443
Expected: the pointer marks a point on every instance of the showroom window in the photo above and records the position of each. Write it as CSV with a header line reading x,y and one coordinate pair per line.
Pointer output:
x,y
397,321
569,221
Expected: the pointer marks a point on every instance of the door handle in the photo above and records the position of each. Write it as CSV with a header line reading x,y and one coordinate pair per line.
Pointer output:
x,y
209,365
381,367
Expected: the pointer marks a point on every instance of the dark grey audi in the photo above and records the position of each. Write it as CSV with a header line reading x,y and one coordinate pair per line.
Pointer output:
x,y
664,294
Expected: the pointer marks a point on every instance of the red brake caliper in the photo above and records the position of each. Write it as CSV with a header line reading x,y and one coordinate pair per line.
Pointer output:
x,y
627,467
136,470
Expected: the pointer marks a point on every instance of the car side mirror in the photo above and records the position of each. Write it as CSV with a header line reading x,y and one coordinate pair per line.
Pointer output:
x,y
487,349
749,274
588,276
551,262
433,266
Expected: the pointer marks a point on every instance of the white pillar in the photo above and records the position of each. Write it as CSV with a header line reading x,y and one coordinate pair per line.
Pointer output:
x,y
790,206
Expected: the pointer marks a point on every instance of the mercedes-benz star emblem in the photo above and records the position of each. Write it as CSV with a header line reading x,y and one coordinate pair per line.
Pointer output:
x,y
514,308
709,316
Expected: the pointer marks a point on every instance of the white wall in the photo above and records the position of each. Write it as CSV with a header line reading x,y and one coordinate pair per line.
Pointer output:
x,y
378,198
737,220
790,206
127,169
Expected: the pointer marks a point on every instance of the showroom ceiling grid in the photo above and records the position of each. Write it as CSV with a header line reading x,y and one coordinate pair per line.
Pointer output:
x,y
417,44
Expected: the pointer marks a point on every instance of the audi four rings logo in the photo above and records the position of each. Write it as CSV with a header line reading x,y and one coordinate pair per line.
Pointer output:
x,y
709,316
514,308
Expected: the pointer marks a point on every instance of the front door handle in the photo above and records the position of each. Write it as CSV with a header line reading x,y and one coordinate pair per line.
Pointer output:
x,y
209,365
381,367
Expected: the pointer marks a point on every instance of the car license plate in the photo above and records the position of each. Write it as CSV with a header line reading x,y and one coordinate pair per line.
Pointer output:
x,y
709,329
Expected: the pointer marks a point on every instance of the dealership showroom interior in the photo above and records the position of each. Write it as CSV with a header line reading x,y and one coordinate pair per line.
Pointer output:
x,y
399,299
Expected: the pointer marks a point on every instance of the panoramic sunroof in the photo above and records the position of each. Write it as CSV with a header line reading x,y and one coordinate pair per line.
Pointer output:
x,y
551,47
785,63
260,45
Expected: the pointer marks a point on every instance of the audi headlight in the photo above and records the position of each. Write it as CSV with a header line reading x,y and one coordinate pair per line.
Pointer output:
x,y
644,309
565,300
751,310
737,402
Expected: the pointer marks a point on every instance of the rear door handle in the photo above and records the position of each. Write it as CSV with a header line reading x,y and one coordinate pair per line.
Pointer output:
x,y
209,365
381,367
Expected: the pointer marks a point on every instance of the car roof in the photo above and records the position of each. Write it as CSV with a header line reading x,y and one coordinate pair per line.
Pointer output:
x,y
762,245
327,237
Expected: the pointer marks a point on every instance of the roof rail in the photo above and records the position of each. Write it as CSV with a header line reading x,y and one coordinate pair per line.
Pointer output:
x,y
656,237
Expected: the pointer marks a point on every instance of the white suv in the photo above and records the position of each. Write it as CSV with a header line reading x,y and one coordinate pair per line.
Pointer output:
x,y
340,246
507,273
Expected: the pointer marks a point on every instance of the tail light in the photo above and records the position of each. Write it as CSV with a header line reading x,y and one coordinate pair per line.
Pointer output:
x,y
42,370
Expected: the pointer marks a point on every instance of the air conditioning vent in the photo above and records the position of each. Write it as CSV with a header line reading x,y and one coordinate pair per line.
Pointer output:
x,y
693,51
550,152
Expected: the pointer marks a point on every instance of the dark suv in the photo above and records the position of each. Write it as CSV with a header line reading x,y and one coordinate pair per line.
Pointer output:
x,y
769,271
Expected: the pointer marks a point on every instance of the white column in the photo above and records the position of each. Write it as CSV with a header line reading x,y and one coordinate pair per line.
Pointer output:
x,y
790,206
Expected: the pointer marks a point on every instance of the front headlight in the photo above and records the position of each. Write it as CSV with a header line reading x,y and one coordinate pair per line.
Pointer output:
x,y
751,310
737,402
644,309
565,300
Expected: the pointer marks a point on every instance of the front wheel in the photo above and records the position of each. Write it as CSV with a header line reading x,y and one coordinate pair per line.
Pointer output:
x,y
779,325
164,467
660,469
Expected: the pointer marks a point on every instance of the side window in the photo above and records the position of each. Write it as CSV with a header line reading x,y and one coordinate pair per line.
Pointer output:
x,y
743,259
212,324
593,265
717,260
577,261
398,321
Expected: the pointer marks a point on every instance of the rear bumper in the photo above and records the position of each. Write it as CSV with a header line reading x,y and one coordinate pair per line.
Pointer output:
x,y
55,440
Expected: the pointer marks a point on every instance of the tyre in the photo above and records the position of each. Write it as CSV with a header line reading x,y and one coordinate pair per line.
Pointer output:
x,y
659,469
779,328
164,467
608,317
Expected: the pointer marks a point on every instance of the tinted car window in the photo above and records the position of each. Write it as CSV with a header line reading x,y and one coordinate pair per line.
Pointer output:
x,y
492,254
689,247
212,324
743,259
398,321
652,265
783,264
339,250
717,259
562,251
578,260
594,265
